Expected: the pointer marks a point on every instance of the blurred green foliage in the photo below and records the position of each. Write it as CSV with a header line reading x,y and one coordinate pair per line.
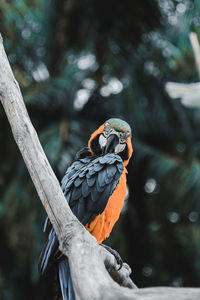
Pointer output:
x,y
79,63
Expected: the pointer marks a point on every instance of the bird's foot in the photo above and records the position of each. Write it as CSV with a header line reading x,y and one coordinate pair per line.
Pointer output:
x,y
115,254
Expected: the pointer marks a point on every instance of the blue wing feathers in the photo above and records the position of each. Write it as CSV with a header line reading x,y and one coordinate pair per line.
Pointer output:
x,y
93,176
90,179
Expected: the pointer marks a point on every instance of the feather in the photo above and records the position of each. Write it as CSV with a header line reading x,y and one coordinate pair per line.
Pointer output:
x,y
68,185
111,171
100,189
81,208
112,160
85,160
48,251
76,193
91,171
78,181
85,189
97,167
71,295
120,167
46,224
103,159
78,166
64,181
65,280
105,195
83,173
108,180
90,180
94,194
101,177
67,196
63,277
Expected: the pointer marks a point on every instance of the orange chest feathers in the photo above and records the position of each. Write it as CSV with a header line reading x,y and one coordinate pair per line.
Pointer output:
x,y
102,224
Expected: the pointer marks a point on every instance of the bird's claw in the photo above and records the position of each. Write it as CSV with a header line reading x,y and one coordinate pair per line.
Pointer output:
x,y
115,254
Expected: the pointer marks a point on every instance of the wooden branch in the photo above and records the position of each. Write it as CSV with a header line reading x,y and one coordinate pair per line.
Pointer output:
x,y
88,261
196,48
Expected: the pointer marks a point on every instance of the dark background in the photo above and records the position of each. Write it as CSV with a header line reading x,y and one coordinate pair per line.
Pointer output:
x,y
79,63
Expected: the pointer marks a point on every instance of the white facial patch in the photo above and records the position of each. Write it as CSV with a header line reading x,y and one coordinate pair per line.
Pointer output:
x,y
102,141
119,148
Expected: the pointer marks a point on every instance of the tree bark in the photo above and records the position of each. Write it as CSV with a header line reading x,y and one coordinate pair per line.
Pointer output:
x,y
94,271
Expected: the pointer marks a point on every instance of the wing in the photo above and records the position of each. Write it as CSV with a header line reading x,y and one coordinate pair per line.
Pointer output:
x,y
89,182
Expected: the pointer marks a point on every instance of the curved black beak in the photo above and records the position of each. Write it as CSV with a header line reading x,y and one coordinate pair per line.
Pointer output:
x,y
112,142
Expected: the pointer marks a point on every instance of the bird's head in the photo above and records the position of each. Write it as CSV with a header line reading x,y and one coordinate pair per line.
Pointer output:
x,y
114,136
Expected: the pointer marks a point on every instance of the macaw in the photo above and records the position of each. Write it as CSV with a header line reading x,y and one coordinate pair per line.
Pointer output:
x,y
95,189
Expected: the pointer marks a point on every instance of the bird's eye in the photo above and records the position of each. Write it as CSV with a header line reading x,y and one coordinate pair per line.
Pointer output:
x,y
106,132
122,138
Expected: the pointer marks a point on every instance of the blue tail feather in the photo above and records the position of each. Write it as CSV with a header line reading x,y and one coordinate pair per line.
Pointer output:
x,y
71,295
48,251
65,280
51,254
